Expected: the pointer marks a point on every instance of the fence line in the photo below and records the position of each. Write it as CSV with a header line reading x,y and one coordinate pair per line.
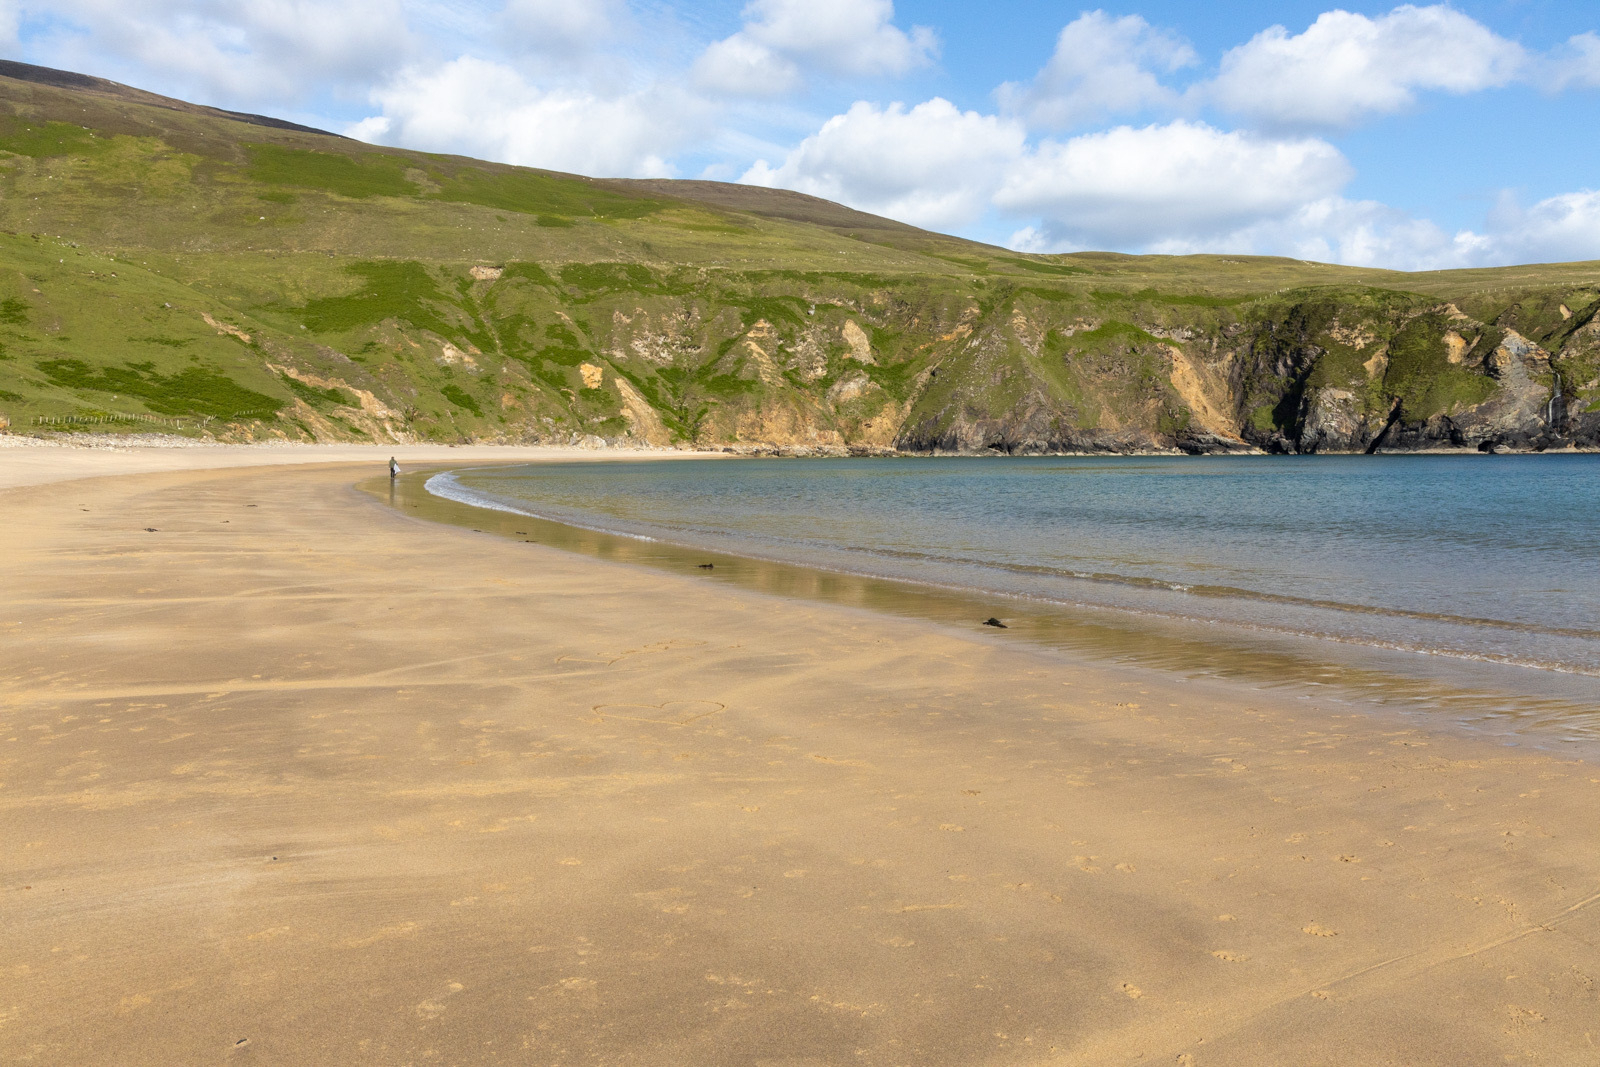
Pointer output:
x,y
159,420
100,420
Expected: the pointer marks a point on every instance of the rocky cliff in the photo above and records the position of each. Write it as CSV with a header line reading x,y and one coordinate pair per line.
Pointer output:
x,y
825,362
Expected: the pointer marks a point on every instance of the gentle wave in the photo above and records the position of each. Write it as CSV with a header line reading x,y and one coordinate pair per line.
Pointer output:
x,y
1224,592
448,486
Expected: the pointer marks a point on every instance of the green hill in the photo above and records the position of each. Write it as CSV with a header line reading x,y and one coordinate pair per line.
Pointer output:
x,y
175,268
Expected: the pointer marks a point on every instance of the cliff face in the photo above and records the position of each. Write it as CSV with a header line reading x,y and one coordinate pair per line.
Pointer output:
x,y
166,267
1025,370
794,361
1517,371
1304,372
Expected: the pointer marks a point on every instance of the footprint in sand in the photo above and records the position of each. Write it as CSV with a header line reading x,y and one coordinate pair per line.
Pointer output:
x,y
837,762
671,713
1520,1018
609,658
383,933
432,1009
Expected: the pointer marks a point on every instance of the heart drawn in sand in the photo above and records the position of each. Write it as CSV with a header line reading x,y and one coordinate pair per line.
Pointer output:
x,y
671,713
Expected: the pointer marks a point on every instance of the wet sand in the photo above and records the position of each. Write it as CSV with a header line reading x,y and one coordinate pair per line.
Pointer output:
x,y
288,776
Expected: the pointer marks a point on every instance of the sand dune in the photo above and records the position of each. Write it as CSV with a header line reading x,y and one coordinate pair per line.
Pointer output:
x,y
289,777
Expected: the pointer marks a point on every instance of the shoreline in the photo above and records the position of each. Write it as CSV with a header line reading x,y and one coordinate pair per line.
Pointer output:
x,y
743,450
1513,702
297,777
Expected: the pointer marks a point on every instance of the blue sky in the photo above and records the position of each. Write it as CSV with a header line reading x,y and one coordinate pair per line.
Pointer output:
x,y
1406,136
1526,139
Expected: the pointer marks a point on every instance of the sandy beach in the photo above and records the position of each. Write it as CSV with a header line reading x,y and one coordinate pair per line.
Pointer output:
x,y
290,777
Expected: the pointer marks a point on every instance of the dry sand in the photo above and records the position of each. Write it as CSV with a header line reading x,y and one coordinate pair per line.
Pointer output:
x,y
298,779
31,461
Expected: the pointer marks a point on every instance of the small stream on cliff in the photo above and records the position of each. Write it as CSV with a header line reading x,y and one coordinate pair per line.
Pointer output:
x,y
1463,582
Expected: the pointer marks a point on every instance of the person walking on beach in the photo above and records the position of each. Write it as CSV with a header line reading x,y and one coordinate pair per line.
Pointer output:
x,y
394,468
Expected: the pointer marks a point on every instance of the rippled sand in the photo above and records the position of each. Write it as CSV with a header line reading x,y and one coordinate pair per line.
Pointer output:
x,y
292,777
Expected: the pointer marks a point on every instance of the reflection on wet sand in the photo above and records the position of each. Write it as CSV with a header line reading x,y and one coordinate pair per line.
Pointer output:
x,y
1520,705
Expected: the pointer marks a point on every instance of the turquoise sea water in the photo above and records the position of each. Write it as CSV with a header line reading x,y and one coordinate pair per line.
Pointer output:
x,y
1474,560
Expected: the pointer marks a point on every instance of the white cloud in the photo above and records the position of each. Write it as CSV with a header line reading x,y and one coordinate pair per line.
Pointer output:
x,y
841,37
933,165
1366,233
1348,66
1575,65
374,129
1333,229
1130,187
1559,229
745,67
1101,66
279,50
1363,233
488,110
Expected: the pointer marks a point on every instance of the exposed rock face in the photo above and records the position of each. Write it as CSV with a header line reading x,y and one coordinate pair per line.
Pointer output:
x,y
1520,413
860,344
1207,396
1333,422
644,423
1310,372
1428,378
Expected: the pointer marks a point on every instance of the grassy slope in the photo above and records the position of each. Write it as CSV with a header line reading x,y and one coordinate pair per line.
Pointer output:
x,y
167,263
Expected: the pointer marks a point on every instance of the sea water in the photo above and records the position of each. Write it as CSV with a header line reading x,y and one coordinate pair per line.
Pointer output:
x,y
1482,572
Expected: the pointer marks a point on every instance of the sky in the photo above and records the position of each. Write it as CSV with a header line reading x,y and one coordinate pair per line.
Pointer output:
x,y
1413,137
